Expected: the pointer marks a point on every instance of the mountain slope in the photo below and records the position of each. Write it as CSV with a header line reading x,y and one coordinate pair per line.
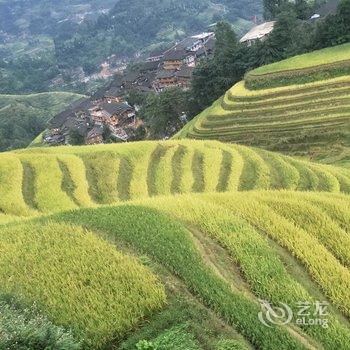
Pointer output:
x,y
297,106
23,117
132,26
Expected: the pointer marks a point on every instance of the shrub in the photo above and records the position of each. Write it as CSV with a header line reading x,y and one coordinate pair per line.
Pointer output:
x,y
24,328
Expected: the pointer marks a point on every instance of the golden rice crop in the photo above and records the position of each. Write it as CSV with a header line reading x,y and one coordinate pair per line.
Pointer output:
x,y
77,173
76,278
47,186
327,271
11,178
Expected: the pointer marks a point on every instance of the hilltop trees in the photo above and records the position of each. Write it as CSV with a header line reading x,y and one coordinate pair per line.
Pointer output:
x,y
335,29
162,112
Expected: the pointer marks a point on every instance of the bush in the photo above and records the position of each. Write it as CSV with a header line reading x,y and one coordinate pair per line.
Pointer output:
x,y
24,328
230,344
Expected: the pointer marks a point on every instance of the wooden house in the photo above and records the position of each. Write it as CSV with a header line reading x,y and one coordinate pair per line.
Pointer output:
x,y
95,135
165,79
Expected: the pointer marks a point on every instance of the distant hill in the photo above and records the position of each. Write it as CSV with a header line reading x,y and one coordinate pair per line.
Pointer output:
x,y
133,25
24,117
300,106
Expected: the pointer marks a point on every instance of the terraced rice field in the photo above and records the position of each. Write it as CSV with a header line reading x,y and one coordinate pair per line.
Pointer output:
x,y
317,65
304,120
182,244
55,179
216,255
299,106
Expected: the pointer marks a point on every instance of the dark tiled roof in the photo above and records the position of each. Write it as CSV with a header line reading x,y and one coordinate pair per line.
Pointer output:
x,y
97,130
175,55
82,104
115,108
130,77
163,74
114,92
185,72
186,44
156,53
149,66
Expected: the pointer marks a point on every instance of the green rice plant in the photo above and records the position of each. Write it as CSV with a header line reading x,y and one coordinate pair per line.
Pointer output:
x,y
315,58
326,270
77,184
140,158
338,209
308,180
322,64
102,170
77,279
313,220
256,173
241,93
11,178
153,168
260,263
230,170
47,187
164,174
170,244
327,181
282,174
186,180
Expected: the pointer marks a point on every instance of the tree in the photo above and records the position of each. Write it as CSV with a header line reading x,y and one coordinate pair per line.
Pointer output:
x,y
272,8
75,138
161,112
214,76
281,38
335,29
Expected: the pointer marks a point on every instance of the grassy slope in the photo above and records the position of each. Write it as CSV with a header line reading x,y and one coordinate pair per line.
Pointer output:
x,y
232,261
296,117
18,111
48,180
316,58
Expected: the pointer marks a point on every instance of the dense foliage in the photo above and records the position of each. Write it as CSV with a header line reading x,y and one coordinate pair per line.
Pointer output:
x,y
24,328
24,117
292,36
42,40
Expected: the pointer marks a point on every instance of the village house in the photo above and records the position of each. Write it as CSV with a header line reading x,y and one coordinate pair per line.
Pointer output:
x,y
114,114
165,79
95,135
259,32
173,60
184,77
155,56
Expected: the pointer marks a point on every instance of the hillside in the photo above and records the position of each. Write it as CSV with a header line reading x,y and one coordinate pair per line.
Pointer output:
x,y
55,179
299,106
195,234
24,117
134,26
47,45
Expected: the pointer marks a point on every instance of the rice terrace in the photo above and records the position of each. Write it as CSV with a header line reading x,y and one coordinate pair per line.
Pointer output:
x,y
177,244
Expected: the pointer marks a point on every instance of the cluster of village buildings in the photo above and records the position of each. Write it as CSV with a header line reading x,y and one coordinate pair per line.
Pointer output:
x,y
108,109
